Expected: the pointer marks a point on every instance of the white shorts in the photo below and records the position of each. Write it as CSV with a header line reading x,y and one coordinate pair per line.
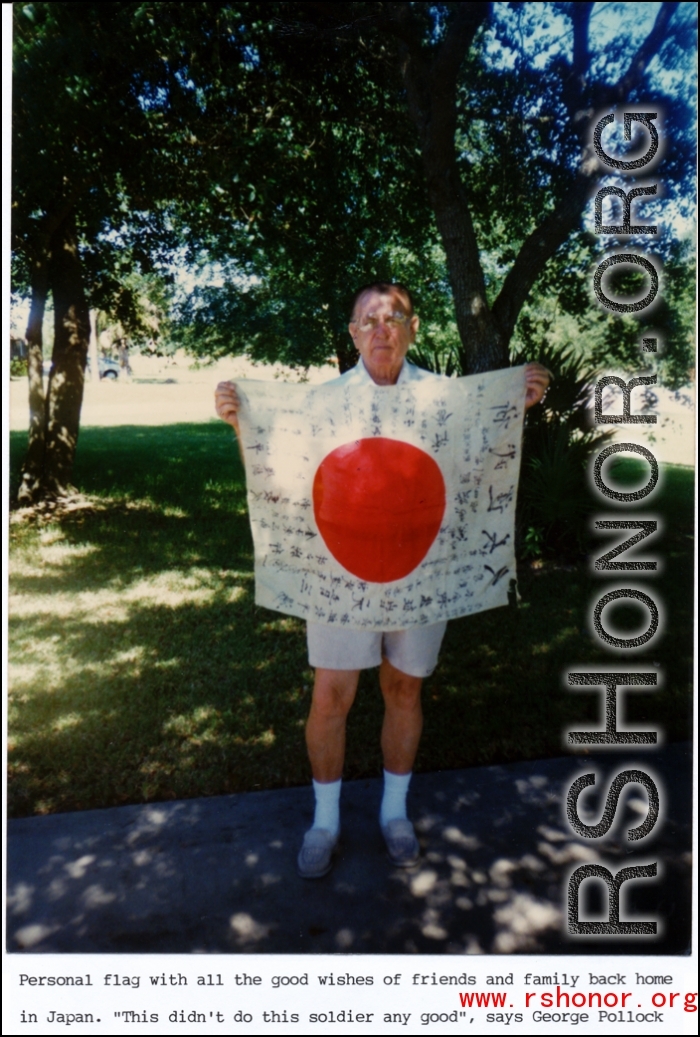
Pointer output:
x,y
414,651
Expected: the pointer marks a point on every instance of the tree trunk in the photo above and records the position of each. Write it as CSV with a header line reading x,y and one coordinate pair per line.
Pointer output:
x,y
66,380
482,347
93,350
431,92
345,352
33,468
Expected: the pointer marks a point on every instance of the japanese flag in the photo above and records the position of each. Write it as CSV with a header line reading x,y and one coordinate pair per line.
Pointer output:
x,y
383,507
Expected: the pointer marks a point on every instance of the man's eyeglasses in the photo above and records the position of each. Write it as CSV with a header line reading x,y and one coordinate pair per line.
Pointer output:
x,y
393,320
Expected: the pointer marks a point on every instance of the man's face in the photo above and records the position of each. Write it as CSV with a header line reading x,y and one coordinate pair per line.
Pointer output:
x,y
382,330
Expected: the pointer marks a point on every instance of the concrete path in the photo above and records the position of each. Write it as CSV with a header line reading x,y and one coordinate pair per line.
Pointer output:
x,y
218,874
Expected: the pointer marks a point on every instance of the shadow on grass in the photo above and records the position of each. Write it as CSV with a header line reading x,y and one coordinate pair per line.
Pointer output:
x,y
142,670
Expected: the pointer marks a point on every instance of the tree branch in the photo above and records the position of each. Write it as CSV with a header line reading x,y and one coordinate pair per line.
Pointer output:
x,y
535,252
640,62
461,30
553,231
398,21
580,19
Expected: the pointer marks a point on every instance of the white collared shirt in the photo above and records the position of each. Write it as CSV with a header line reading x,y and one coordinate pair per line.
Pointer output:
x,y
359,375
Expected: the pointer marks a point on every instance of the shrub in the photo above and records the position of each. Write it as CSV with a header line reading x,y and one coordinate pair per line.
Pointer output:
x,y
554,500
443,360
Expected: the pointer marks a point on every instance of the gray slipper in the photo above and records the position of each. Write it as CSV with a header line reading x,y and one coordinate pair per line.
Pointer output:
x,y
401,842
314,860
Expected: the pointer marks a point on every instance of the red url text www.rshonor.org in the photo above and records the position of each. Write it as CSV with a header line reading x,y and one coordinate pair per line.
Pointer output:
x,y
593,999
611,1005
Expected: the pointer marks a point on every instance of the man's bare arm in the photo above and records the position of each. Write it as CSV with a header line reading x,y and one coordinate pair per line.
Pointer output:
x,y
227,406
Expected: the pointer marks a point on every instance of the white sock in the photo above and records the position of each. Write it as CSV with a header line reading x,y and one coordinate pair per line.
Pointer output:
x,y
394,798
327,814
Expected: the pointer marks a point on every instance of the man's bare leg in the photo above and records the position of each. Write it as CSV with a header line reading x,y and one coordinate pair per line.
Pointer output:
x,y
401,731
333,695
403,718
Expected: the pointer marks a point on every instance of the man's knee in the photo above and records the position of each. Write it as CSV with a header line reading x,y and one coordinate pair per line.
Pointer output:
x,y
334,692
400,690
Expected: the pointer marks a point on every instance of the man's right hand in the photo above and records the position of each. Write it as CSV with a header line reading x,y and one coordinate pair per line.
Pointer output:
x,y
227,403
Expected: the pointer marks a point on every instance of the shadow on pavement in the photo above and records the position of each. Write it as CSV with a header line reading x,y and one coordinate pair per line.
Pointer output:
x,y
218,874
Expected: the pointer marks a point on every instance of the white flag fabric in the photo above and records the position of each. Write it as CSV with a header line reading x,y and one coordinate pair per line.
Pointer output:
x,y
383,507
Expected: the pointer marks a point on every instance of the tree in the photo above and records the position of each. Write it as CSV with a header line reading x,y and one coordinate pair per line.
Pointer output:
x,y
84,138
487,112
319,192
301,148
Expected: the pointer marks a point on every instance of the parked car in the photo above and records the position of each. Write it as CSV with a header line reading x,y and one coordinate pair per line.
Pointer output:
x,y
108,368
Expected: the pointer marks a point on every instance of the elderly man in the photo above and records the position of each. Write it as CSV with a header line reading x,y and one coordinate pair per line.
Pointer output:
x,y
383,326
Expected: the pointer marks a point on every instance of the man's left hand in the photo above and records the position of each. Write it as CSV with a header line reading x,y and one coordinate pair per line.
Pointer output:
x,y
537,379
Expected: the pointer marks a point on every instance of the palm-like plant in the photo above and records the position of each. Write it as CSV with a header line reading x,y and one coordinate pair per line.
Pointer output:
x,y
554,500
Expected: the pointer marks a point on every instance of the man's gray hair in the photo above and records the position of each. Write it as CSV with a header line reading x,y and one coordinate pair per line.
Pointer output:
x,y
384,288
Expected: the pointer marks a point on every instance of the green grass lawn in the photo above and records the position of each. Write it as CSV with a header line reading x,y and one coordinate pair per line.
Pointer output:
x,y
142,670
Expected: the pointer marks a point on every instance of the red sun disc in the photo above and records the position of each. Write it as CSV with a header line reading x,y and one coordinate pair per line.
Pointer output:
x,y
378,504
